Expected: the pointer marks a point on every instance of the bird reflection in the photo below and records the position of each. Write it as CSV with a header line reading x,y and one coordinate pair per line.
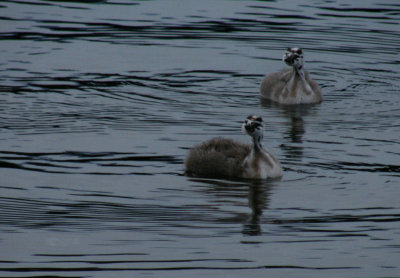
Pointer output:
x,y
258,200
257,193
296,130
296,126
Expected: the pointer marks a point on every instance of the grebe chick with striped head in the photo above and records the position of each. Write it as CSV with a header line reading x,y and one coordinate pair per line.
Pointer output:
x,y
225,158
292,85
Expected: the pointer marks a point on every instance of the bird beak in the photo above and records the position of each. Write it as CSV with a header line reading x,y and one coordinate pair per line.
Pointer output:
x,y
288,58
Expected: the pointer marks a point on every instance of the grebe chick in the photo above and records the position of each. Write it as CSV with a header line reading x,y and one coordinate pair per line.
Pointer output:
x,y
291,86
225,158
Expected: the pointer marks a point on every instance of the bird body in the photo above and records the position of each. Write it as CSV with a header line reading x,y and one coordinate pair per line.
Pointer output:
x,y
291,85
217,157
261,165
226,158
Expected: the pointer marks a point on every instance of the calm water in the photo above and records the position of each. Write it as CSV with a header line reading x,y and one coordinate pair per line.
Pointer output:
x,y
100,103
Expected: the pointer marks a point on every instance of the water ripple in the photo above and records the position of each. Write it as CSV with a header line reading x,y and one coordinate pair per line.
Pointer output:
x,y
76,162
101,100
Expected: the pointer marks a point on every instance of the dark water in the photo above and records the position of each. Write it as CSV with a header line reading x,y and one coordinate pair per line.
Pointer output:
x,y
101,101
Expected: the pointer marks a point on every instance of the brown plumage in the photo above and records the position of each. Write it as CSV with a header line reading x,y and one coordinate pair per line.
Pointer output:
x,y
218,157
225,158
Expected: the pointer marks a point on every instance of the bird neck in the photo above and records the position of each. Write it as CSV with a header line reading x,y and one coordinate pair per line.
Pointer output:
x,y
257,143
299,71
300,75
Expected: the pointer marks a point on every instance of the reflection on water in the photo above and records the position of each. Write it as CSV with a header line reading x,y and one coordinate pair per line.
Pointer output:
x,y
296,129
258,201
101,100
256,192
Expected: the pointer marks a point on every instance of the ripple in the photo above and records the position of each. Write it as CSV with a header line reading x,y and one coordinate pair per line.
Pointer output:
x,y
100,102
76,162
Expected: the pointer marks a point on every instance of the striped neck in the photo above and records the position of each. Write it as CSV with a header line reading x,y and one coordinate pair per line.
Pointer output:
x,y
257,143
299,70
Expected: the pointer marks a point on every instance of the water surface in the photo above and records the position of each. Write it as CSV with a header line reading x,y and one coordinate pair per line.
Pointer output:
x,y
101,101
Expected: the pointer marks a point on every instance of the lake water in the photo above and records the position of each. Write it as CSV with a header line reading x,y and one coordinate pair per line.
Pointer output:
x,y
101,101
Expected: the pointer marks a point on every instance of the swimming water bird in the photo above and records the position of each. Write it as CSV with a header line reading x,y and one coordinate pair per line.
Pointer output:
x,y
225,158
291,85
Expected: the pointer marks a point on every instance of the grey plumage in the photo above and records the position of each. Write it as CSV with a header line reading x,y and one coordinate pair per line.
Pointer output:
x,y
292,85
273,86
